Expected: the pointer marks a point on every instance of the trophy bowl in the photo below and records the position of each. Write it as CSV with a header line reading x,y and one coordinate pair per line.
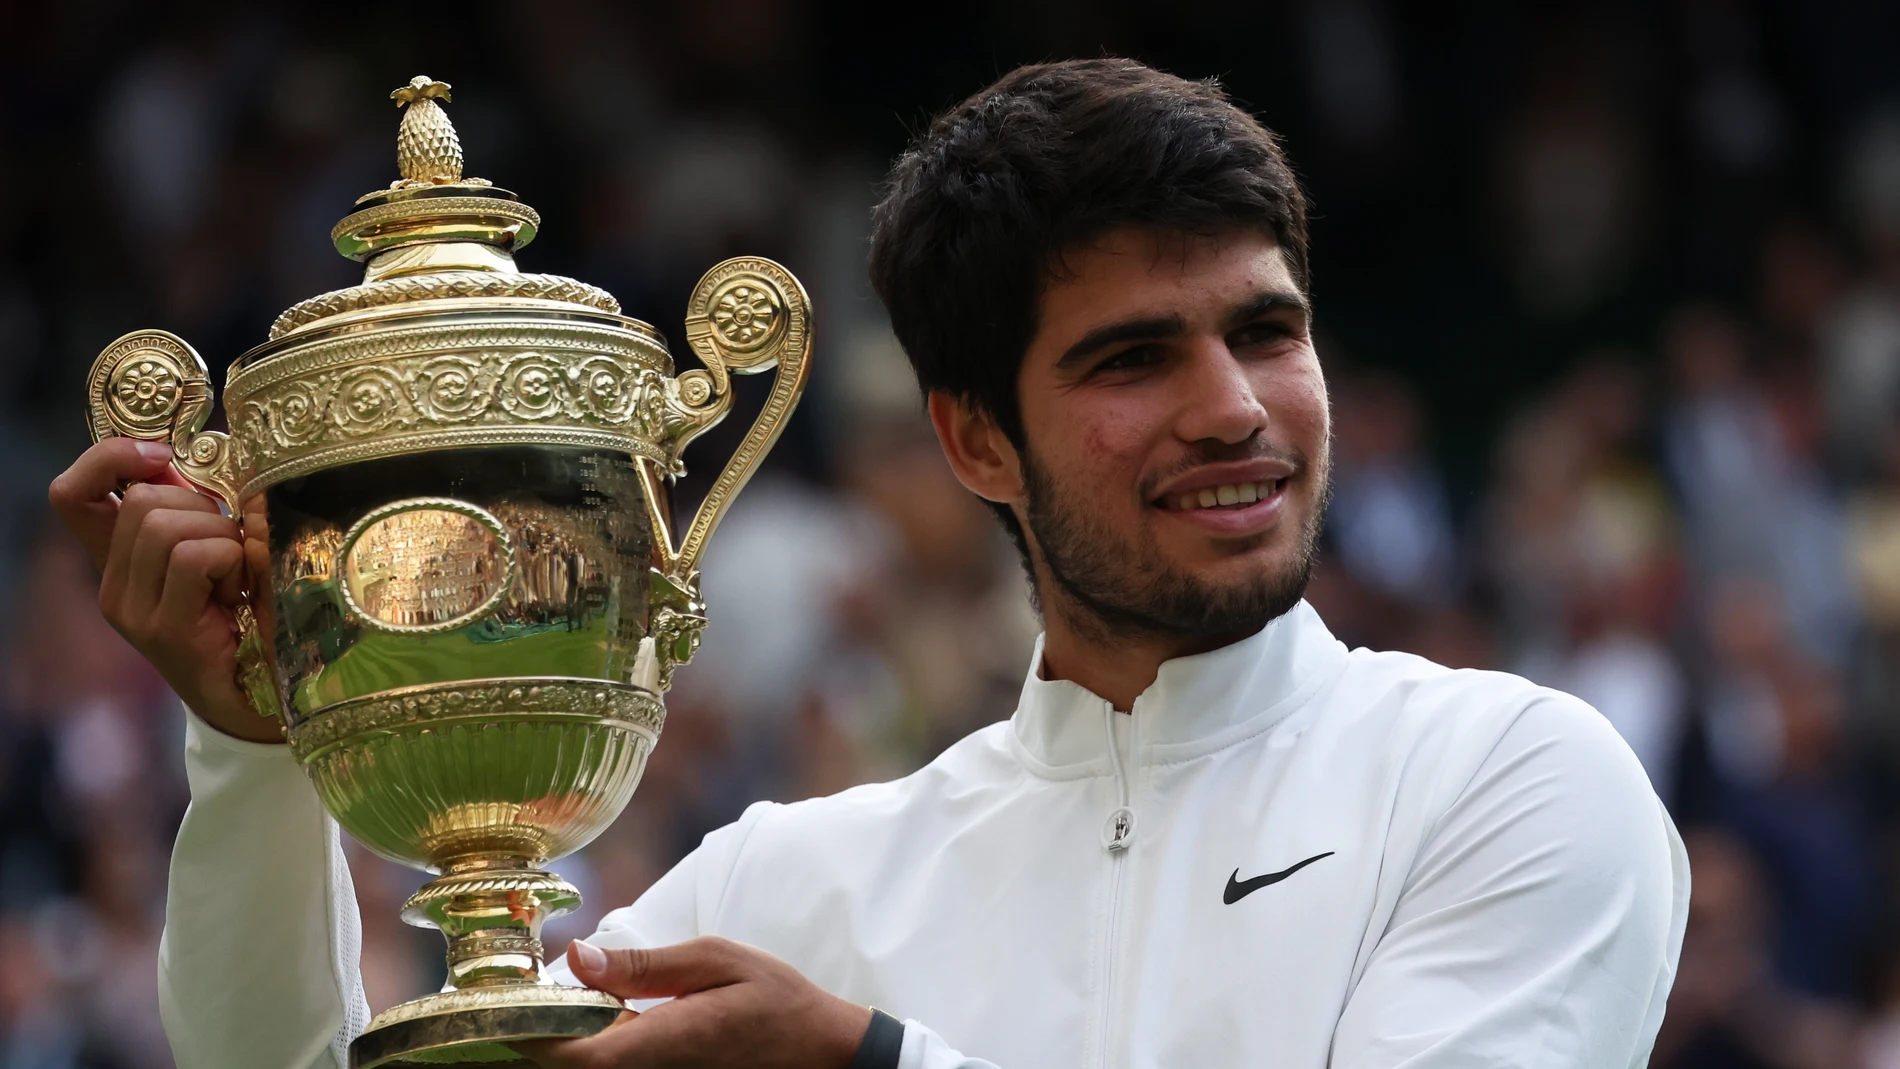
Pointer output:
x,y
464,599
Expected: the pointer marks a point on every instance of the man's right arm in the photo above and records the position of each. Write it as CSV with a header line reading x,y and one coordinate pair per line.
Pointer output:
x,y
259,961
258,966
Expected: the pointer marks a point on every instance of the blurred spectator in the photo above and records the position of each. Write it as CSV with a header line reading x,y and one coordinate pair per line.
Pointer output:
x,y
1793,805
1727,1011
1390,520
88,774
38,1025
1754,500
1588,560
1571,181
1874,551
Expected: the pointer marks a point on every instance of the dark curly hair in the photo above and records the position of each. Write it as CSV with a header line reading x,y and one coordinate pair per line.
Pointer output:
x,y
977,213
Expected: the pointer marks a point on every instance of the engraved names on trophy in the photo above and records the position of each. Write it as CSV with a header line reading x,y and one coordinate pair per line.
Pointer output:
x,y
427,564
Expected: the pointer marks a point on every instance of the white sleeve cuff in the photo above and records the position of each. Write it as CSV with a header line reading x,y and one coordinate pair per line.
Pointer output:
x,y
924,1049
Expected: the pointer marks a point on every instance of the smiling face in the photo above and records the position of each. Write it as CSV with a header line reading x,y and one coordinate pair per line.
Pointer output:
x,y
1175,460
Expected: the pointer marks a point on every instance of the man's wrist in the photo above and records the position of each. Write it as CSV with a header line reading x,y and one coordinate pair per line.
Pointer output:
x,y
237,724
883,1043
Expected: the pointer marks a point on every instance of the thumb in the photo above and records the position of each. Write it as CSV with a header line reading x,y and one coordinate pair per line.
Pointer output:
x,y
658,972
82,495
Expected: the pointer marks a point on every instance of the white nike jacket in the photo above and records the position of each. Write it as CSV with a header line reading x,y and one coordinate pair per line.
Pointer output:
x,y
1290,855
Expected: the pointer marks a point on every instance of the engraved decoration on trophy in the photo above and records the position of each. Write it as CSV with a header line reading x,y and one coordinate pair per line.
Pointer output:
x,y
464,599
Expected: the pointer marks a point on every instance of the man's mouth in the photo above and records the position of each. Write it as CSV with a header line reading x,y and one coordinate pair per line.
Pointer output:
x,y
1224,496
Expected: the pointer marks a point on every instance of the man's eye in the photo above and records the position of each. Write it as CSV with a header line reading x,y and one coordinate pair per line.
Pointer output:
x,y
1258,334
1129,359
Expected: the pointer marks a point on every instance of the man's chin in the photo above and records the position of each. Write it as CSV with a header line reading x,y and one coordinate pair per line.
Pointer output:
x,y
1202,593
1220,560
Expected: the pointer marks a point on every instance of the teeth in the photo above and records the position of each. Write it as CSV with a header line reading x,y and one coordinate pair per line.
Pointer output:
x,y
1231,494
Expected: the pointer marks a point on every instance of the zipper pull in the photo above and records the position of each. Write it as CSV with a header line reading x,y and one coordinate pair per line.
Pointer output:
x,y
1119,831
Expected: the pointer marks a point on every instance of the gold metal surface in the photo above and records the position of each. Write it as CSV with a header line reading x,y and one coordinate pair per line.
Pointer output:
x,y
414,287
470,374
469,1027
464,598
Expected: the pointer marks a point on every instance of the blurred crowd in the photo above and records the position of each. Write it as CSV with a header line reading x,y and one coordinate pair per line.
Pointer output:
x,y
1609,298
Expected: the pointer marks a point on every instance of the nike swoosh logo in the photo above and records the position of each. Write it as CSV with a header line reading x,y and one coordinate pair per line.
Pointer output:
x,y
1238,888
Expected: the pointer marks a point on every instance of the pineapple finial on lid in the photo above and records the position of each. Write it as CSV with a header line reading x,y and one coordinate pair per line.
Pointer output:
x,y
468,222
427,150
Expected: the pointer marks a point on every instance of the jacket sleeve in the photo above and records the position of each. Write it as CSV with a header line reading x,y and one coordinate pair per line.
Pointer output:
x,y
258,963
680,905
685,903
1540,923
924,1049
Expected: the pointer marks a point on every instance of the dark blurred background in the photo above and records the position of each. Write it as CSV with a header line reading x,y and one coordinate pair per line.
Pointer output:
x,y
1609,295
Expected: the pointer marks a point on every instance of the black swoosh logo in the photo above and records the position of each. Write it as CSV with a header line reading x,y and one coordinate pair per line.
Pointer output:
x,y
1238,888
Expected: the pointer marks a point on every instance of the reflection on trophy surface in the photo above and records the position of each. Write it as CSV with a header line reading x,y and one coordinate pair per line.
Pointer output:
x,y
465,600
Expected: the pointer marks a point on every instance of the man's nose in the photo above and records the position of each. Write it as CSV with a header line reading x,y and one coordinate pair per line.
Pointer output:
x,y
1217,399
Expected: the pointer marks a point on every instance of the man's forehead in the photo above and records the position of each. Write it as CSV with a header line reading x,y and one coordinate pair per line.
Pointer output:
x,y
1137,271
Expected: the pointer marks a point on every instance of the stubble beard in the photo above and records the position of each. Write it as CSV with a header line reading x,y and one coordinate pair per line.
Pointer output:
x,y
1126,589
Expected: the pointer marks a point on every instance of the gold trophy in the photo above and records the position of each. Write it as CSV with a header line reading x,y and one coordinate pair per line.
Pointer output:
x,y
464,602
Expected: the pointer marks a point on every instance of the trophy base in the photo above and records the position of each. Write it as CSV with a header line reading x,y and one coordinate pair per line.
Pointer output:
x,y
471,1026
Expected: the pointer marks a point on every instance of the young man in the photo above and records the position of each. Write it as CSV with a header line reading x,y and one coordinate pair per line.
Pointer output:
x,y
1208,836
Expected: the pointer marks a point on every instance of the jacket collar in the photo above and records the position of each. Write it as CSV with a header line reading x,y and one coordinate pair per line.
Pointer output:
x,y
1196,704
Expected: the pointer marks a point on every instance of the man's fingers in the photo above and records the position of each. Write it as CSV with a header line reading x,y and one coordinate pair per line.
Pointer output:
x,y
82,494
570,1053
162,534
732,1005
139,502
667,1034
193,569
152,520
659,972
106,466
680,971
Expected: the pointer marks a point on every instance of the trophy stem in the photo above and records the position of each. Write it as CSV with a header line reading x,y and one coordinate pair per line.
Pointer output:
x,y
490,909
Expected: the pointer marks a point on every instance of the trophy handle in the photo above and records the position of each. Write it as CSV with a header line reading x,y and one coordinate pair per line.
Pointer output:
x,y
152,385
747,315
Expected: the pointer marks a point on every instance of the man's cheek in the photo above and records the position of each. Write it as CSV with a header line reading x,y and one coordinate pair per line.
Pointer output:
x,y
1107,448
1294,395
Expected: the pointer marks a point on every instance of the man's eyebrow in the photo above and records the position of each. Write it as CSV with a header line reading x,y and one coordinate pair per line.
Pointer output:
x,y
1268,303
1168,326
1127,330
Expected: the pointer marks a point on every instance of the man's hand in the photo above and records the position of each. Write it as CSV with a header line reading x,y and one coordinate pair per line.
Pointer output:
x,y
733,1005
172,569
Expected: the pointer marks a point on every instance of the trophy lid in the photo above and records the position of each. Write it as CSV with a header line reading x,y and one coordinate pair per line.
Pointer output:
x,y
434,233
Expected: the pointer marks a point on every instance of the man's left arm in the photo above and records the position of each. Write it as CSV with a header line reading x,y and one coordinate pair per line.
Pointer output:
x,y
732,1005
1540,923
709,1001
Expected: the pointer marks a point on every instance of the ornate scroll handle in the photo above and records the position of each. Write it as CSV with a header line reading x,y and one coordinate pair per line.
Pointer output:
x,y
153,386
747,315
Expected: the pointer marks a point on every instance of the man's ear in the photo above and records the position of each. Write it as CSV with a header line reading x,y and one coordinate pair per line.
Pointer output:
x,y
982,456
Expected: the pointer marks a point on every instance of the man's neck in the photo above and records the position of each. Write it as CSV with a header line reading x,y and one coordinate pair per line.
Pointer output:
x,y
1116,666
